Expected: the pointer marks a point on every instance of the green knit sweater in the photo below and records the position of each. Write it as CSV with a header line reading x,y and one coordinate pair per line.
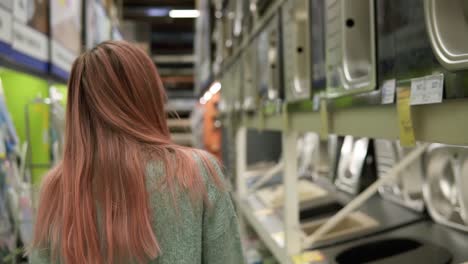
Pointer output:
x,y
189,234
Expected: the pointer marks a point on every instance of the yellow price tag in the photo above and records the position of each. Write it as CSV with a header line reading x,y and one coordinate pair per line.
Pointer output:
x,y
309,257
405,121
323,119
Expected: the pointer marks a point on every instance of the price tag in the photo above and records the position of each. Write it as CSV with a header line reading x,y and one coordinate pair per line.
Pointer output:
x,y
309,257
405,121
388,91
323,119
316,103
427,90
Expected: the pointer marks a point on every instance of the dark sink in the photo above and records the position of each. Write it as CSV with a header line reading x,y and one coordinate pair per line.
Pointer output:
x,y
395,251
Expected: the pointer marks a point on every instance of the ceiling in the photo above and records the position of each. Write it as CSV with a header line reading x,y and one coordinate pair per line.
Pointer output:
x,y
171,41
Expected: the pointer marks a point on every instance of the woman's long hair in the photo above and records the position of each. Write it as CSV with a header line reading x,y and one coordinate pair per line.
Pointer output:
x,y
94,206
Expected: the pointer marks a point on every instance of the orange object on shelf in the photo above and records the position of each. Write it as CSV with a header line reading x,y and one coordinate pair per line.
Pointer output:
x,y
212,133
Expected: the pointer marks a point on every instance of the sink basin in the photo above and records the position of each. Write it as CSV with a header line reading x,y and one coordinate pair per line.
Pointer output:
x,y
443,190
395,250
273,196
353,174
354,223
407,189
445,19
350,46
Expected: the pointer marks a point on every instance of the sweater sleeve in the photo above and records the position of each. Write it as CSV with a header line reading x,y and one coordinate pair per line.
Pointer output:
x,y
221,240
39,256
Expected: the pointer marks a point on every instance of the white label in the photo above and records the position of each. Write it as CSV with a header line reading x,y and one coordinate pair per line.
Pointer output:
x,y
316,102
30,42
62,57
388,91
20,10
5,26
427,90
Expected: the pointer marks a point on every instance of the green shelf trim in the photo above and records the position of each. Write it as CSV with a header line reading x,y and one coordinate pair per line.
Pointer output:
x,y
446,122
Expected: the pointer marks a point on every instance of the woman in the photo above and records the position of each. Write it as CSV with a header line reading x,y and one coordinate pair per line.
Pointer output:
x,y
124,192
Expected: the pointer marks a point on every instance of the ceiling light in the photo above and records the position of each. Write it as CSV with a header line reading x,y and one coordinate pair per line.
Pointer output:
x,y
215,87
207,96
184,13
157,12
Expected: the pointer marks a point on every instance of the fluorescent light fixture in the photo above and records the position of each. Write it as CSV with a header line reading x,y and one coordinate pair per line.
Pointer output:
x,y
184,13
215,87
207,96
157,12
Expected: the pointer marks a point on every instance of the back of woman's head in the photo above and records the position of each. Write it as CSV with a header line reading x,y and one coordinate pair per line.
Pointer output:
x,y
115,125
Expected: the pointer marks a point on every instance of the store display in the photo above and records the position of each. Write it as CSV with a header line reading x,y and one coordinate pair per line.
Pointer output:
x,y
30,34
407,189
202,46
350,45
421,242
308,154
248,19
249,65
39,125
354,223
303,48
355,167
65,24
97,24
444,20
6,20
228,29
269,64
260,6
444,192
403,44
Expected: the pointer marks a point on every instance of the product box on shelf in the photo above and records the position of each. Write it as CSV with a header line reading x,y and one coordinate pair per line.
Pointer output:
x,y
66,42
24,33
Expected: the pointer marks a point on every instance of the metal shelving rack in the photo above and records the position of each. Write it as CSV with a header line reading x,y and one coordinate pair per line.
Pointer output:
x,y
441,122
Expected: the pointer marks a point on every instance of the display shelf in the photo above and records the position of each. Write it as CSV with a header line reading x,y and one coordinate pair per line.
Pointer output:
x,y
266,225
442,123
12,65
258,27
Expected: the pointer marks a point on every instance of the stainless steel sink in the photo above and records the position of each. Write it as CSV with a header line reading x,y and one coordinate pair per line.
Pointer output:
x,y
447,25
444,191
350,45
407,189
297,53
351,163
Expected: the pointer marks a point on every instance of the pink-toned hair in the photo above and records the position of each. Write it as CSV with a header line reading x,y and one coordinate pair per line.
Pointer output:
x,y
116,124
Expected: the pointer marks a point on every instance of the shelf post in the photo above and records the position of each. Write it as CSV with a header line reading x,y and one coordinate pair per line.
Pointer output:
x,y
291,204
241,161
